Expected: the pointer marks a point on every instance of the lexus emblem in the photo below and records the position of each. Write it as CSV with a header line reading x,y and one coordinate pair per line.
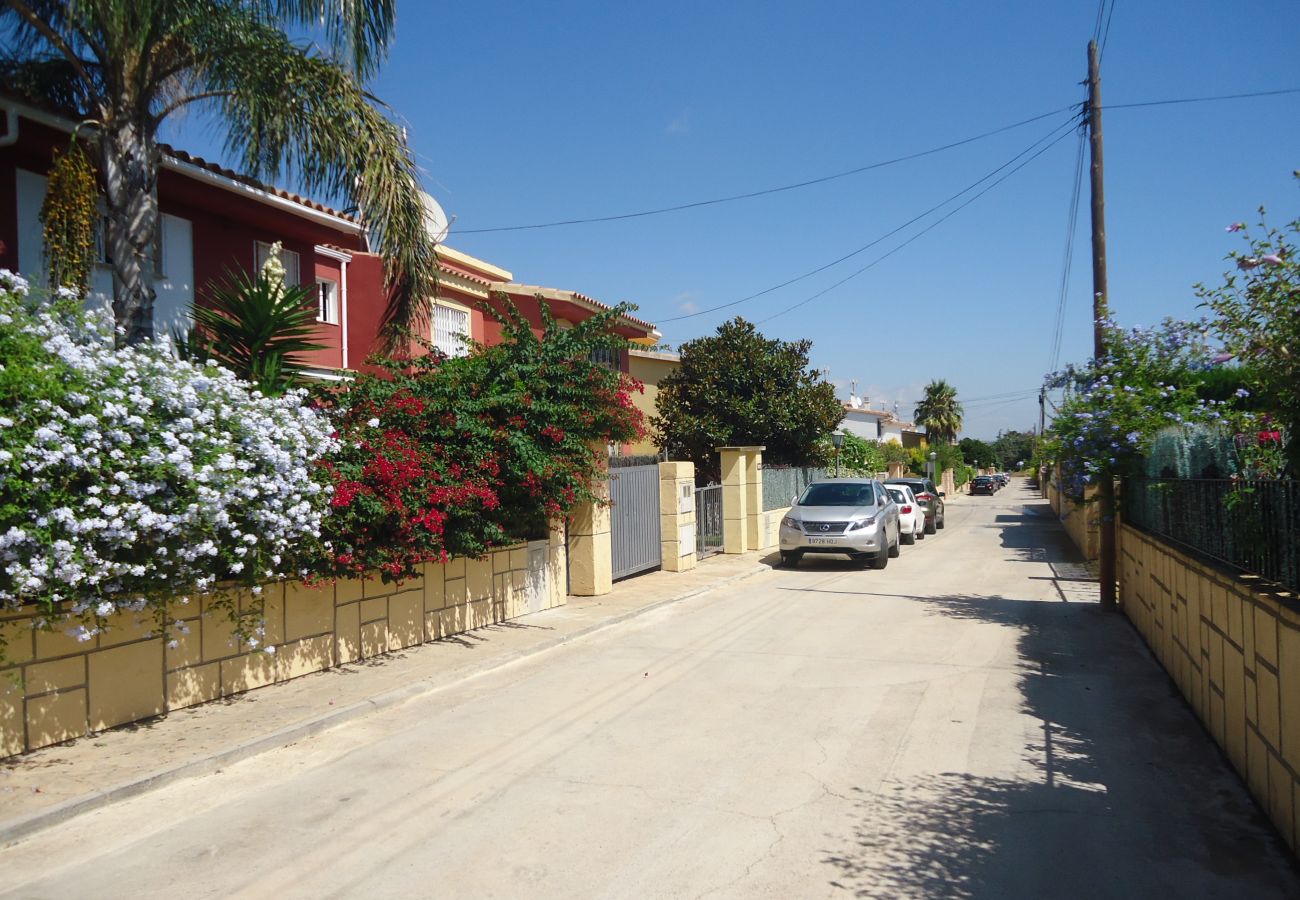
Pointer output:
x,y
826,528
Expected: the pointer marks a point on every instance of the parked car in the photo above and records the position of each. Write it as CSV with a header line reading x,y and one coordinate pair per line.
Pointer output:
x,y
911,515
1003,478
984,484
853,516
929,496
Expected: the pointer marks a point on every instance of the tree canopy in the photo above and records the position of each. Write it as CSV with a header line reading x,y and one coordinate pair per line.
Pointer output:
x,y
978,453
939,412
292,106
738,387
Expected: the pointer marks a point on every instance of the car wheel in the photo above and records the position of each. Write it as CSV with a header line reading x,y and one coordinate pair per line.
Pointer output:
x,y
910,537
939,524
929,527
881,559
790,558
896,547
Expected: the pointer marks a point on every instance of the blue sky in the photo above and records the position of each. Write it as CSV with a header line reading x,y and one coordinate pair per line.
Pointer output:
x,y
527,112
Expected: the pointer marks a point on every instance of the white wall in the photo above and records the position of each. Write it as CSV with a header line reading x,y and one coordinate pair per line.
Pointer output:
x,y
174,289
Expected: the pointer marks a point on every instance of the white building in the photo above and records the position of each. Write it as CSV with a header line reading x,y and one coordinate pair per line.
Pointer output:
x,y
877,424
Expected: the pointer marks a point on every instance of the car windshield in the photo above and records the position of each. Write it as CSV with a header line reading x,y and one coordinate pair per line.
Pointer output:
x,y
847,494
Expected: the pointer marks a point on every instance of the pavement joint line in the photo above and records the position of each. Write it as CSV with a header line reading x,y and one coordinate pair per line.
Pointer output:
x,y
19,829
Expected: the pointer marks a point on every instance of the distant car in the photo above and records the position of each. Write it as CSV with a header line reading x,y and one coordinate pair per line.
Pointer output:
x,y
984,484
853,516
911,515
1003,478
930,497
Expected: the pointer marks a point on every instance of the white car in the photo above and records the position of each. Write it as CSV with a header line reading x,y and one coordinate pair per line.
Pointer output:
x,y
911,514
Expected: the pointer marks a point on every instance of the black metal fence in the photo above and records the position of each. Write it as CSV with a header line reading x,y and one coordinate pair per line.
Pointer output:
x,y
1250,526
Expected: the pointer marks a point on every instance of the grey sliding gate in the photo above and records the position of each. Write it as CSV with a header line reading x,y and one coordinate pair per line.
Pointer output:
x,y
634,517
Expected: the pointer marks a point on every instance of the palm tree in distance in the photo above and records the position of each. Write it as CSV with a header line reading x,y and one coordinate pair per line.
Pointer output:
x,y
290,108
939,412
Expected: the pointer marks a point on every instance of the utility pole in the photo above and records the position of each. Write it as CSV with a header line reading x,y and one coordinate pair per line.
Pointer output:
x,y
1100,311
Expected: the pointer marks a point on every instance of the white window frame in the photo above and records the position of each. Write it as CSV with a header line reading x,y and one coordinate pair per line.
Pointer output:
x,y
327,301
288,258
447,342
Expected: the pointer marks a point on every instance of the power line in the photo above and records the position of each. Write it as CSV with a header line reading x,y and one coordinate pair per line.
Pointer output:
x,y
761,193
1058,329
1101,48
923,231
871,243
1208,99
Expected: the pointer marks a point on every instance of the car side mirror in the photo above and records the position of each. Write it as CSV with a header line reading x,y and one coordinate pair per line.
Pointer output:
x,y
942,494
794,501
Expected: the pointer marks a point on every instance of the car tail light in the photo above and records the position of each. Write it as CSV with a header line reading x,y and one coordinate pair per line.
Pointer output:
x,y
925,495
906,509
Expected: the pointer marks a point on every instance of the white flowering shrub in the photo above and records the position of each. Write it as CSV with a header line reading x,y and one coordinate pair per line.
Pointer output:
x,y
129,479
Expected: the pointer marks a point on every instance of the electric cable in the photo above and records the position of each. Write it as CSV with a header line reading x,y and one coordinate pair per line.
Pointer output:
x,y
1206,99
1058,329
920,233
764,192
872,243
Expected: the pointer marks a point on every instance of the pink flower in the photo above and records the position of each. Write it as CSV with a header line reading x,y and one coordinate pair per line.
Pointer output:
x,y
1272,259
1222,358
1236,226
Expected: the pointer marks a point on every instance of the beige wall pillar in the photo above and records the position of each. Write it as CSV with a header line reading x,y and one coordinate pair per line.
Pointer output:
x,y
591,563
735,500
754,497
896,470
677,515
948,483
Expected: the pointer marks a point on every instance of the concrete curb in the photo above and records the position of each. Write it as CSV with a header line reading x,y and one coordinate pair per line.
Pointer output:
x,y
25,826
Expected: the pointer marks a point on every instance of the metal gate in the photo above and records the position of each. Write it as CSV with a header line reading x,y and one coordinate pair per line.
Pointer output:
x,y
634,518
708,519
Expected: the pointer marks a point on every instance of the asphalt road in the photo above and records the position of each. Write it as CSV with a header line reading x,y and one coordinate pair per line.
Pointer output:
x,y
965,723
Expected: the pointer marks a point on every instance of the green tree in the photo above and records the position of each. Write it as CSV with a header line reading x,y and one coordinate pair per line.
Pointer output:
x,y
739,387
939,412
1257,315
978,453
1012,448
290,107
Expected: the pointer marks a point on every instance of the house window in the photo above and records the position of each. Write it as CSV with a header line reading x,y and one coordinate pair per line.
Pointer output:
x,y
288,259
327,295
605,356
450,324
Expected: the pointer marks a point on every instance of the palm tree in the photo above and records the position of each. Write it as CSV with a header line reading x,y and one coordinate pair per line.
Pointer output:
x,y
291,109
939,412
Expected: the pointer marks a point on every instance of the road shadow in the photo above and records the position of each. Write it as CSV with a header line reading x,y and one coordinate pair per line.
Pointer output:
x,y
1127,796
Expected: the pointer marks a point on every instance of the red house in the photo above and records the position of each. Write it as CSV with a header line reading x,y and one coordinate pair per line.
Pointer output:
x,y
215,220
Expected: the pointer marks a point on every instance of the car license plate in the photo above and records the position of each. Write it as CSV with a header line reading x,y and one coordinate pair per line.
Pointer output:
x,y
821,540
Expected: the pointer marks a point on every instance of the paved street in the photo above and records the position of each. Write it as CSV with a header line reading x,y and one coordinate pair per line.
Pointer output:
x,y
965,723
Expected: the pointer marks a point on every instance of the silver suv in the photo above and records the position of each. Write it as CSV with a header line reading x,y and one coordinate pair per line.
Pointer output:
x,y
853,516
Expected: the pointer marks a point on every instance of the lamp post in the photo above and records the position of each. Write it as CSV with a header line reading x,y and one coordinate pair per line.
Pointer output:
x,y
934,467
837,438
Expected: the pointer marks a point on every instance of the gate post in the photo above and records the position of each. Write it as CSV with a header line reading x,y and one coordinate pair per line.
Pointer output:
x,y
591,565
737,509
754,497
677,515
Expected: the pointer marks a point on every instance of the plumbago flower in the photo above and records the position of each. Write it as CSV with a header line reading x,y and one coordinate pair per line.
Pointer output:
x,y
129,479
1257,316
1114,407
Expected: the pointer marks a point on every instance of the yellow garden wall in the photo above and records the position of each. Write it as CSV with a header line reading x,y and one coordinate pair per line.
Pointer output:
x,y
53,688
1234,652
1080,519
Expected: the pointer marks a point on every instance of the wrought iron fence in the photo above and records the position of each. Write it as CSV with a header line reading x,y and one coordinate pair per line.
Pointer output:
x,y
1250,526
708,519
780,483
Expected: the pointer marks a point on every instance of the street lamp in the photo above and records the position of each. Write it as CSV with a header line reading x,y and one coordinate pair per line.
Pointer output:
x,y
837,438
934,467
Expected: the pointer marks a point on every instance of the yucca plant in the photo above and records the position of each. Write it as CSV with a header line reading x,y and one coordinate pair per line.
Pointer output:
x,y
256,326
